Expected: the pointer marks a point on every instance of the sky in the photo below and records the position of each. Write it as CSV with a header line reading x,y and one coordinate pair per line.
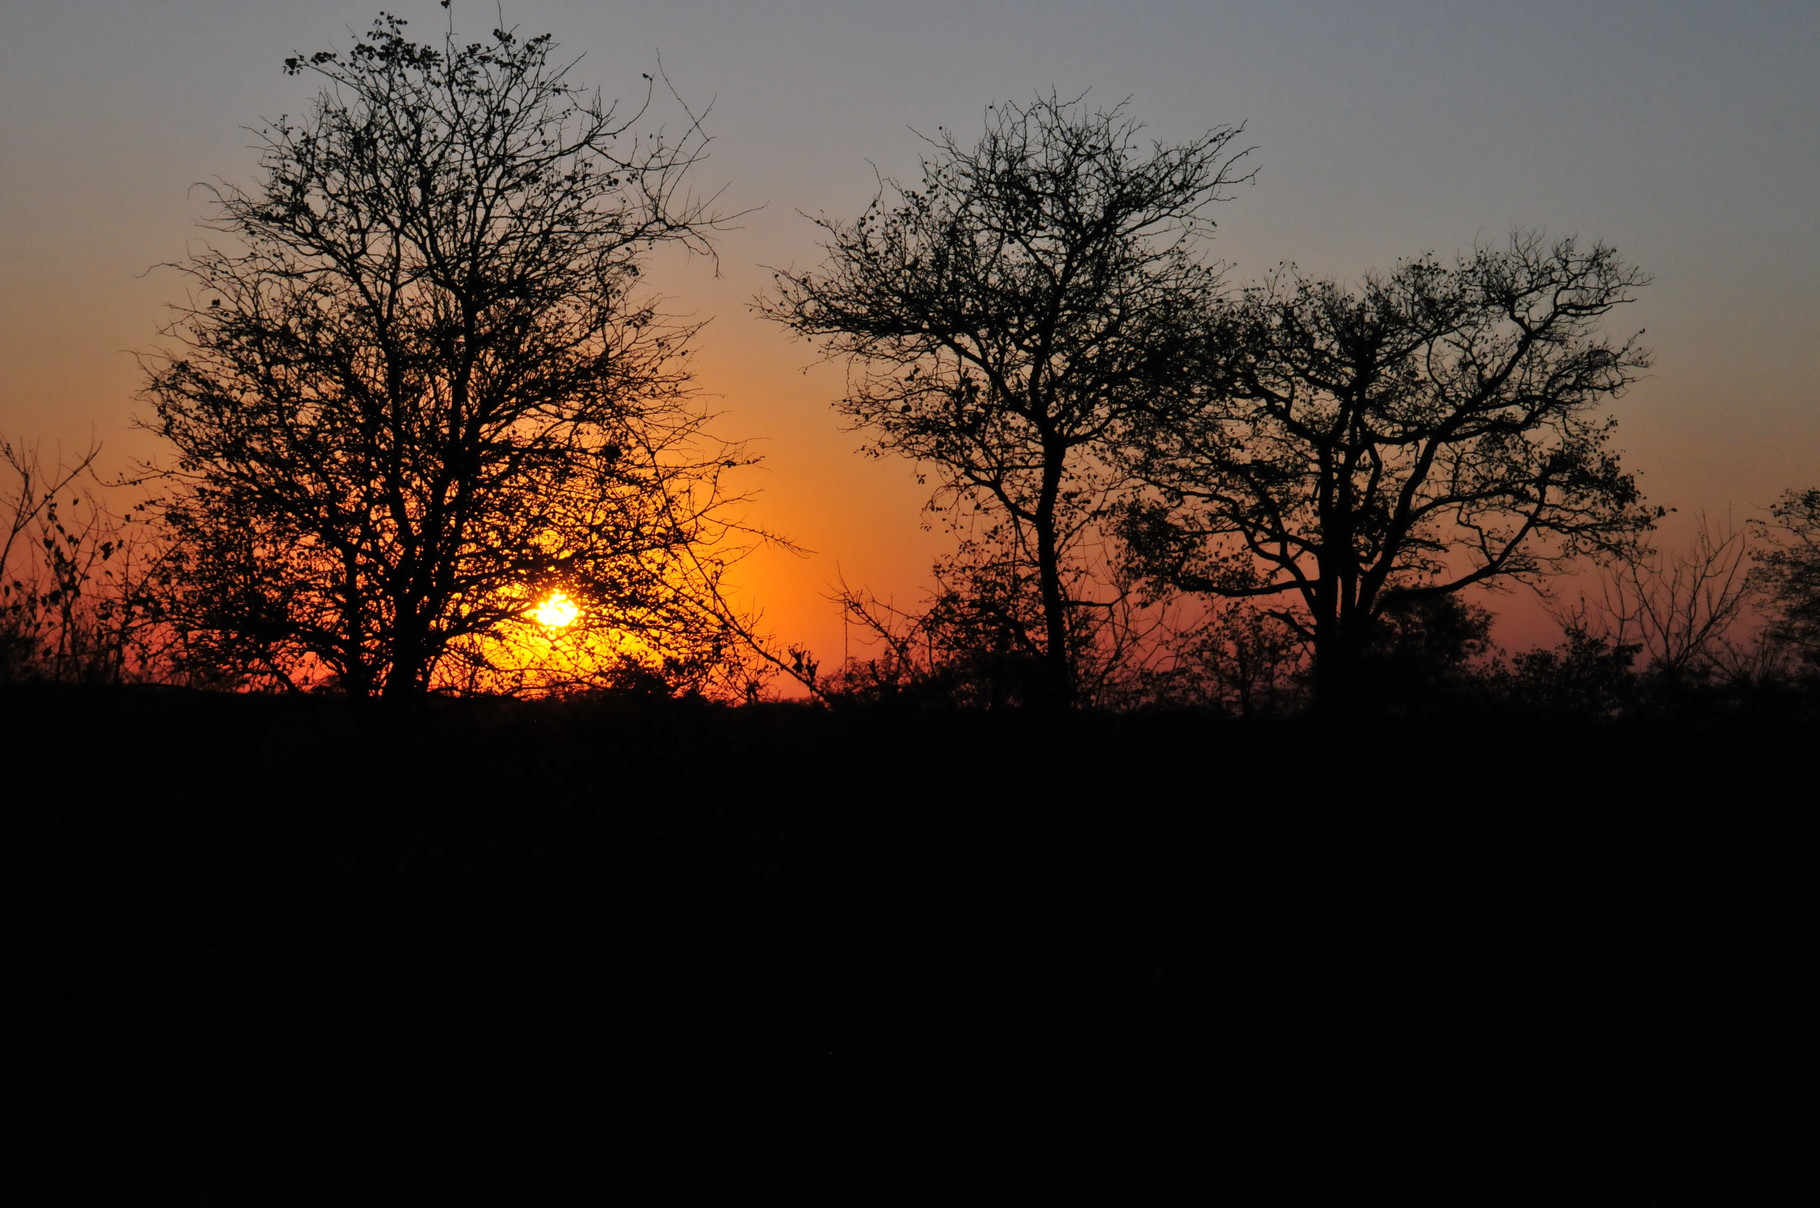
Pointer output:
x,y
1686,135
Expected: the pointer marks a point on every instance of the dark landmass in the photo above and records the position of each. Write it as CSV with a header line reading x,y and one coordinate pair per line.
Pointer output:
x,y
1472,960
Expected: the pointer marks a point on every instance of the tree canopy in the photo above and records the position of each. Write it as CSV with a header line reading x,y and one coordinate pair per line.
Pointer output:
x,y
1347,450
1000,318
417,390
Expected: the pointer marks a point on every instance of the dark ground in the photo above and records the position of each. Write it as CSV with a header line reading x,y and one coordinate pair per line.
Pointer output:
x,y
1484,961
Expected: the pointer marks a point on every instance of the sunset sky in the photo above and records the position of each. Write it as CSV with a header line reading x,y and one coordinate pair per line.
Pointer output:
x,y
1685,134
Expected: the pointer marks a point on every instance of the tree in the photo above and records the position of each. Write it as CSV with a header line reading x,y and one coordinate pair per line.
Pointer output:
x,y
76,580
1239,658
1436,429
419,391
1677,611
1788,572
999,320
1426,649
1585,678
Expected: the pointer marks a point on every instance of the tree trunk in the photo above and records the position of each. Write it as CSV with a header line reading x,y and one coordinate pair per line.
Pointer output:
x,y
1058,667
407,674
1339,657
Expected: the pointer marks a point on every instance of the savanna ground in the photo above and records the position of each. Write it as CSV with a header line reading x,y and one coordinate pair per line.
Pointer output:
x,y
1478,961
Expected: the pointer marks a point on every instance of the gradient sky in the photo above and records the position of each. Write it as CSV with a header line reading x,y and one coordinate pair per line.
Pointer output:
x,y
1687,135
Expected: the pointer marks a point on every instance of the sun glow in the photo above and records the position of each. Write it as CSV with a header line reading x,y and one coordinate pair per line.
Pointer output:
x,y
556,611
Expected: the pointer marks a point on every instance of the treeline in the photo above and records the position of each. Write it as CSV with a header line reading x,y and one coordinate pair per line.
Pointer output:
x,y
1729,625
426,436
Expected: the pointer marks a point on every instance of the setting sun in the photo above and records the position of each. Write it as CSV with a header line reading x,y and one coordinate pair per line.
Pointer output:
x,y
556,611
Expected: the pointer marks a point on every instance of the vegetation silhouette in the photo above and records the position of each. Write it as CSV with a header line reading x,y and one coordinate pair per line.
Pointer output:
x,y
1506,929
79,584
419,390
1351,450
1001,318
1788,572
1679,612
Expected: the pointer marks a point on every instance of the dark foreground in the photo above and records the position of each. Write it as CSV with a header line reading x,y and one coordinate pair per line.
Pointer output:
x,y
838,954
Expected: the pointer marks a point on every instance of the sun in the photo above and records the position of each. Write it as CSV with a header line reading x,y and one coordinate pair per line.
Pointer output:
x,y
556,611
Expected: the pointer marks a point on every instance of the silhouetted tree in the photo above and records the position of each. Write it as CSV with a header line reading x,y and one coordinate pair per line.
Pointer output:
x,y
1425,650
1432,430
418,392
1679,611
1788,572
1000,318
76,579
1585,678
1241,659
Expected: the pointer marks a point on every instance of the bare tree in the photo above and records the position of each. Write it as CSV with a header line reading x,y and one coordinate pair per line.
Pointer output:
x,y
1430,431
419,392
1000,318
77,581
1681,612
1241,659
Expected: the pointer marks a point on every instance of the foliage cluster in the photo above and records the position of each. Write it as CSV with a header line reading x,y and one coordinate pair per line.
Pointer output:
x,y
1788,573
